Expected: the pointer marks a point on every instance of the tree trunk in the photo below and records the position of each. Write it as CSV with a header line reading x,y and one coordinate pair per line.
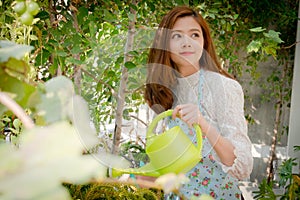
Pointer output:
x,y
279,103
272,158
77,68
53,22
123,81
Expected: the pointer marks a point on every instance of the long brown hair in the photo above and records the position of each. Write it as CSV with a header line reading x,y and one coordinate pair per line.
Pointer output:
x,y
161,76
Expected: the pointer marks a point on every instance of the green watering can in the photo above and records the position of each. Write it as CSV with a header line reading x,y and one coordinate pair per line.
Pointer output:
x,y
170,151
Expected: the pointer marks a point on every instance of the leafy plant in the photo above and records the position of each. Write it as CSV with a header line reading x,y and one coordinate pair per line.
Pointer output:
x,y
83,42
11,128
46,157
134,152
15,74
112,191
265,191
42,157
269,44
287,180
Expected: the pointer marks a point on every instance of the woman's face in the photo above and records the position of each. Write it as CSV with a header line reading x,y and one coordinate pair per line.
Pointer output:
x,y
186,45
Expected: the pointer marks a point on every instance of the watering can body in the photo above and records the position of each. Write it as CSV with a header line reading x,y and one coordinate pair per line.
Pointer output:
x,y
170,151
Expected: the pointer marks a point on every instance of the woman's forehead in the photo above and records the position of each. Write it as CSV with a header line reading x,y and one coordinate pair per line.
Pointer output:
x,y
186,23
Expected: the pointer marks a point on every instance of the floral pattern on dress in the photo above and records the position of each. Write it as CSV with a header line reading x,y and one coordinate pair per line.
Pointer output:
x,y
207,177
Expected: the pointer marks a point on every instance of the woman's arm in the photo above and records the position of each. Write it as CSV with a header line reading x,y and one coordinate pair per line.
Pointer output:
x,y
190,114
222,146
229,138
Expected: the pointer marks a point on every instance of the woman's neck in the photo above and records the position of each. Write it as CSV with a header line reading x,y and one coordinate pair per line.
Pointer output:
x,y
188,70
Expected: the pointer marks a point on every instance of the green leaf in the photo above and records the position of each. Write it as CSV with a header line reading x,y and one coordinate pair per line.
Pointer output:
x,y
16,68
134,7
130,65
254,45
151,6
212,15
107,60
92,28
42,57
18,90
270,51
108,16
76,49
257,29
33,37
120,59
47,156
133,53
54,103
61,53
276,79
274,36
74,61
82,14
10,49
131,17
80,117
296,148
235,16
3,109
60,85
53,68
11,85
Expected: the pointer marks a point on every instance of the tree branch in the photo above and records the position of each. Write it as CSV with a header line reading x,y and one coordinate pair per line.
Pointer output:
x,y
124,79
99,81
290,46
138,120
17,110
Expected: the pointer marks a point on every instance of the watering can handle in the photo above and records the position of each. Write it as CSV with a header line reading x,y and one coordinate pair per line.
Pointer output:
x,y
167,114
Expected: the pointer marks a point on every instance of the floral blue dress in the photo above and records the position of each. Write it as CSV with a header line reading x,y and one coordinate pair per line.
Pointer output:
x,y
220,100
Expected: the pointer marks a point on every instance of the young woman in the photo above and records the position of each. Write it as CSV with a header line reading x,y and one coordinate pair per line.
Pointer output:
x,y
184,74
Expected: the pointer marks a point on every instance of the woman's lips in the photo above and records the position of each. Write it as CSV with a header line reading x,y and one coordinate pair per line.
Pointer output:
x,y
186,53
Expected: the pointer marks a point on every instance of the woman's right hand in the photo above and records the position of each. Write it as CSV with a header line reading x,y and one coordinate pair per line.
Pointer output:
x,y
145,181
191,115
145,178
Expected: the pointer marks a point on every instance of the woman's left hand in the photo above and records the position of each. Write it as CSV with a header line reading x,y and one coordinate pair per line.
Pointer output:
x,y
189,113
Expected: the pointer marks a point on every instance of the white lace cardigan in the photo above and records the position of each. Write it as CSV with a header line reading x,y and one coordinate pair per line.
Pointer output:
x,y
223,107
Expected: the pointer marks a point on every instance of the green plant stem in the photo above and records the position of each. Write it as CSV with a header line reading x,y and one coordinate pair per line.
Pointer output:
x,y
17,110
25,35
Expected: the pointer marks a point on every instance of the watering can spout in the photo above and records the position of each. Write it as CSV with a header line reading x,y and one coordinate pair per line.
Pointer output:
x,y
171,151
146,170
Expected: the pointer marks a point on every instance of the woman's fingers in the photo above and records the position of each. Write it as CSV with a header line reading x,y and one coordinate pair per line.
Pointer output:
x,y
190,119
176,111
187,112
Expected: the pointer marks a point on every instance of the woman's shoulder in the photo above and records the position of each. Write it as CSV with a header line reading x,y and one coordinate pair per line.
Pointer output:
x,y
218,79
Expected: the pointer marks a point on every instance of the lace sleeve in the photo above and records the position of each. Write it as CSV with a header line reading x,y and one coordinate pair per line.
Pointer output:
x,y
233,126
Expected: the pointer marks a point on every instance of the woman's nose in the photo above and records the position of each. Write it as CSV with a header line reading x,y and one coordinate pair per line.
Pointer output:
x,y
186,42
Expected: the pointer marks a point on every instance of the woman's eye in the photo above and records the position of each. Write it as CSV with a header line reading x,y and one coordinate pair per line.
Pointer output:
x,y
176,36
195,35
